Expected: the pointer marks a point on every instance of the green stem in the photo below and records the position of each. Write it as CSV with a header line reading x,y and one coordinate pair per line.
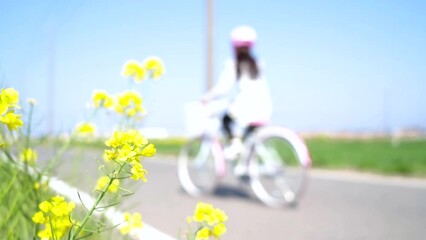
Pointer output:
x,y
8,155
98,200
27,146
93,114
52,230
28,134
91,232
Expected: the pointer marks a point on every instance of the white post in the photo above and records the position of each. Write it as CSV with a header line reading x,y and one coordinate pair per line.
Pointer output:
x,y
209,33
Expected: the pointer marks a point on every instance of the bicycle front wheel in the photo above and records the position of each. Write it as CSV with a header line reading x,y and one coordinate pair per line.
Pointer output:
x,y
196,167
278,166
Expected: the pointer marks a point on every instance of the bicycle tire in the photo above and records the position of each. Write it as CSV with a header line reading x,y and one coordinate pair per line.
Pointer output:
x,y
197,166
280,155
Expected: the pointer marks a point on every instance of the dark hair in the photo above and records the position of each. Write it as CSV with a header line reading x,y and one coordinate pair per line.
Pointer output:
x,y
243,55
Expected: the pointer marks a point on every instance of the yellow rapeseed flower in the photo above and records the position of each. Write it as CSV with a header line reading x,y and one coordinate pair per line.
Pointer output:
x,y
85,129
115,185
133,69
130,97
10,96
203,234
45,206
211,219
110,154
117,139
220,215
219,229
126,146
103,183
131,222
39,218
129,103
137,138
138,172
60,209
55,214
154,66
101,98
12,120
29,156
216,216
3,108
46,233
202,210
126,153
149,150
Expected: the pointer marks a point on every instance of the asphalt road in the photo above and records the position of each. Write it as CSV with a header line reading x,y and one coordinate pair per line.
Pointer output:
x,y
337,205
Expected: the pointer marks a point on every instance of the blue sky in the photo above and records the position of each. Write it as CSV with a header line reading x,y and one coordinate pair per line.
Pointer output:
x,y
332,65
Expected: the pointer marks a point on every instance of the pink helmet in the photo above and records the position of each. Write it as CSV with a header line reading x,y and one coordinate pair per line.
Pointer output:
x,y
243,36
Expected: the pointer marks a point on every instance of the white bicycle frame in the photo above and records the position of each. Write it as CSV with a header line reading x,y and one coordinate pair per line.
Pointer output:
x,y
203,121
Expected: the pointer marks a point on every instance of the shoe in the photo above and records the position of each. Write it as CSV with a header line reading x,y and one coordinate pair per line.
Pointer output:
x,y
241,170
234,149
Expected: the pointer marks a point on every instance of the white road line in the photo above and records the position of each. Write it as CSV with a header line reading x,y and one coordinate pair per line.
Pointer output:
x,y
367,178
116,217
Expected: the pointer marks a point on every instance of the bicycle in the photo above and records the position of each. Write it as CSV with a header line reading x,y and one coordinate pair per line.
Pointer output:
x,y
276,161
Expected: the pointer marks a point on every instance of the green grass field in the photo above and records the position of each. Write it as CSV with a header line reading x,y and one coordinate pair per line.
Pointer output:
x,y
372,155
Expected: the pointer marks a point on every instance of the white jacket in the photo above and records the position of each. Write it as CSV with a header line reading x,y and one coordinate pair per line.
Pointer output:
x,y
252,103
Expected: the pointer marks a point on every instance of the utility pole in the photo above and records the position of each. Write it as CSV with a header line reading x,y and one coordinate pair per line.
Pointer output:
x,y
209,33
385,102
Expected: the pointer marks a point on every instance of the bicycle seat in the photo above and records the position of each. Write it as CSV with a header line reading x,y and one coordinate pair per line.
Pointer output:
x,y
258,124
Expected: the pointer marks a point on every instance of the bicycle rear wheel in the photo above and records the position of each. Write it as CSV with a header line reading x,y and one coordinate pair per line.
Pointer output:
x,y
278,166
196,167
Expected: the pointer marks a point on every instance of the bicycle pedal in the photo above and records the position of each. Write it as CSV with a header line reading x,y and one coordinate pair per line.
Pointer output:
x,y
244,178
231,155
240,170
234,150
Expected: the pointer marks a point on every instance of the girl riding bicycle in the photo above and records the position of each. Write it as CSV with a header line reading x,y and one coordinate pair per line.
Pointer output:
x,y
274,160
251,105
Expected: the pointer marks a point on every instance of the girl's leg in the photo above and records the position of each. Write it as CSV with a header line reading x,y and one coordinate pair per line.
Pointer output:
x,y
227,122
250,129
